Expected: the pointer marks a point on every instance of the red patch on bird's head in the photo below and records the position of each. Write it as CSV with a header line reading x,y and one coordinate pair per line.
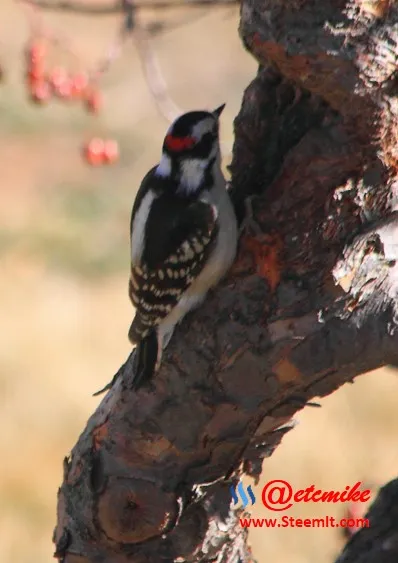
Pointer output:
x,y
178,144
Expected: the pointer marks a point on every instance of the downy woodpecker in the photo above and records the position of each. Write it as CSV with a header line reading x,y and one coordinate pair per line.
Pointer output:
x,y
183,234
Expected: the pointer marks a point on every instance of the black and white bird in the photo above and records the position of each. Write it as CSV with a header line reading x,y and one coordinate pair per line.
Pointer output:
x,y
183,234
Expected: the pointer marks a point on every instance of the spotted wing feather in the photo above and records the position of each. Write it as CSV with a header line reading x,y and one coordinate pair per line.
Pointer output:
x,y
156,285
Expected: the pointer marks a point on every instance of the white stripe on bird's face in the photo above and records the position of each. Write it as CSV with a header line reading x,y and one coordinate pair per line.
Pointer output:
x,y
138,227
202,127
164,167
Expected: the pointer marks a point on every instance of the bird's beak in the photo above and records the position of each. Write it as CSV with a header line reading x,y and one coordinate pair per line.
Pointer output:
x,y
217,112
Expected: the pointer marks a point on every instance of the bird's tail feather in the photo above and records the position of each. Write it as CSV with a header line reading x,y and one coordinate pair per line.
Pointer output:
x,y
138,329
145,360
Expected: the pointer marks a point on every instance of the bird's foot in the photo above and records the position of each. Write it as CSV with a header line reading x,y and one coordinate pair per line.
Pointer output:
x,y
249,223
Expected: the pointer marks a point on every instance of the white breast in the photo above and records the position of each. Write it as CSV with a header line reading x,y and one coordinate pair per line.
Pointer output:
x,y
225,248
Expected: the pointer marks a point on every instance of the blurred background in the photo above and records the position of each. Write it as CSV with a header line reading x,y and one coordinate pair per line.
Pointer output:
x,y
64,250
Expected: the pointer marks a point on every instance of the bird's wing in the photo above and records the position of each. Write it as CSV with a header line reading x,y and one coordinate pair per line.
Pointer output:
x,y
178,242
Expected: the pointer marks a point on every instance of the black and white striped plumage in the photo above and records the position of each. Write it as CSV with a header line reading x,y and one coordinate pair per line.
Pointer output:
x,y
183,229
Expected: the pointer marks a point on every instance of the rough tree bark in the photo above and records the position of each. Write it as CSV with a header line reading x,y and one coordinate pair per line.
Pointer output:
x,y
310,304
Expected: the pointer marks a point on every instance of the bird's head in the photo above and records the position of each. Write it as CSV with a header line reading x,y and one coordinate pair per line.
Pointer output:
x,y
191,151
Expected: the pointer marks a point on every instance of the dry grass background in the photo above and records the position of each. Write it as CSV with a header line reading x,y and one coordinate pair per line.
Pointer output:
x,y
63,285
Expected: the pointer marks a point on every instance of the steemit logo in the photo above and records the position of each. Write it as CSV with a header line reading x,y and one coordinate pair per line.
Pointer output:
x,y
242,494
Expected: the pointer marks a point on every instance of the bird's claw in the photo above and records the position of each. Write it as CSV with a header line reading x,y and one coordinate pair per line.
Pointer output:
x,y
249,222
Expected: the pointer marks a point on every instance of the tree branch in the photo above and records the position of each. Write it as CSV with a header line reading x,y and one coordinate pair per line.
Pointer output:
x,y
310,303
118,6
154,78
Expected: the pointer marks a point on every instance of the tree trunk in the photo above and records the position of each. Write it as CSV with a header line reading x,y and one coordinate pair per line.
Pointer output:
x,y
311,301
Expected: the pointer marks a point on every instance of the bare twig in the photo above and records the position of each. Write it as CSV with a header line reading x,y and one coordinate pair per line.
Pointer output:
x,y
130,28
118,5
156,83
116,46
39,28
161,27
153,74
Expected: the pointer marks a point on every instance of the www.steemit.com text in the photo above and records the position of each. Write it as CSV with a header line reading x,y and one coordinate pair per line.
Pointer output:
x,y
292,522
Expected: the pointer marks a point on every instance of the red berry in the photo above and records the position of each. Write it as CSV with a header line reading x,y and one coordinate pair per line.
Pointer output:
x,y
93,101
94,151
36,50
35,73
64,90
111,151
57,76
79,84
40,92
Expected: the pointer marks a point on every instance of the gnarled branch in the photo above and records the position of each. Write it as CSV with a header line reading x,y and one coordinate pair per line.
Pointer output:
x,y
310,303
